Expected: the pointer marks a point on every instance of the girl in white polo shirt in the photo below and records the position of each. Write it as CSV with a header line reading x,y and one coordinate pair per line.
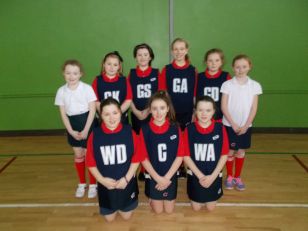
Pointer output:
x,y
76,101
239,106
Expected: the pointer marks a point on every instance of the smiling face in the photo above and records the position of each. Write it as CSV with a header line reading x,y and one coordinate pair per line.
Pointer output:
x,y
112,66
143,58
159,111
72,74
241,67
179,51
204,113
214,62
111,116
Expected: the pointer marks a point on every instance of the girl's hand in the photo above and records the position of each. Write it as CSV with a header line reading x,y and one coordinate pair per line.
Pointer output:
x,y
144,114
207,181
83,134
121,183
76,135
235,128
243,130
109,183
162,183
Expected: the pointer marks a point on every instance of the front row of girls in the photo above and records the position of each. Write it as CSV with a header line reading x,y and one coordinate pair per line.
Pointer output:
x,y
114,153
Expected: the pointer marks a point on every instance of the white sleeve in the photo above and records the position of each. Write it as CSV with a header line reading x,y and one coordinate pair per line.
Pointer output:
x,y
59,100
90,94
257,89
225,87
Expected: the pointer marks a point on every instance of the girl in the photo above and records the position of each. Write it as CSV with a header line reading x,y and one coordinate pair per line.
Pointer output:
x,y
209,82
207,146
112,158
76,101
179,79
111,83
239,105
162,144
144,82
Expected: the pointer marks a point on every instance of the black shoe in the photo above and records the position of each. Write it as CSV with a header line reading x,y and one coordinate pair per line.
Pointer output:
x,y
182,173
141,176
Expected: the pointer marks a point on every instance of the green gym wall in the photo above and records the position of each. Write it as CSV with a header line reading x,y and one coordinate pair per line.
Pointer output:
x,y
37,36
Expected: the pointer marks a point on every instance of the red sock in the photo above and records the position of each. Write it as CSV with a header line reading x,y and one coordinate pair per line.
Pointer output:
x,y
239,162
229,166
91,178
80,167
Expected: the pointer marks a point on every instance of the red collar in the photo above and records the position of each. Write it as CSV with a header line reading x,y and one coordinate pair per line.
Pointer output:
x,y
159,129
108,131
208,75
178,67
145,73
207,130
107,79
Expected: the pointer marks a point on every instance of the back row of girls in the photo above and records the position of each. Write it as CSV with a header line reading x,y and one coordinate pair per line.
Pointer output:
x,y
183,84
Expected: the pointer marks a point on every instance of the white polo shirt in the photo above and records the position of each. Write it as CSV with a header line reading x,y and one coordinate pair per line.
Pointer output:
x,y
76,101
240,99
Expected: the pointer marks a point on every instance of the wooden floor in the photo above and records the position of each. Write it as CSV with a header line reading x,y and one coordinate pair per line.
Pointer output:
x,y
37,184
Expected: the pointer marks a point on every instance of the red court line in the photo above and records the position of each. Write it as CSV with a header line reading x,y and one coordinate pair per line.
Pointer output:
x,y
7,164
300,162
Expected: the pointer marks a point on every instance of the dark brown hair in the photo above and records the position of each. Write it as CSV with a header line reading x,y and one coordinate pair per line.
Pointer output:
x,y
144,46
163,95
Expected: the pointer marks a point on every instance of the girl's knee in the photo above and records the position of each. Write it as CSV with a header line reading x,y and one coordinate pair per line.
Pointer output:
x,y
210,206
110,218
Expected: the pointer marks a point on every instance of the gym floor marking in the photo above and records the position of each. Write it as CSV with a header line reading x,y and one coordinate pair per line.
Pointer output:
x,y
7,164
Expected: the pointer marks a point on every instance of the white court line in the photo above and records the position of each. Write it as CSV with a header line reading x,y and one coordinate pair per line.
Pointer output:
x,y
180,204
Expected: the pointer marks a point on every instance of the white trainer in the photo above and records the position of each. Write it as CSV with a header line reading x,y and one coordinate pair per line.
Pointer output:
x,y
92,191
80,191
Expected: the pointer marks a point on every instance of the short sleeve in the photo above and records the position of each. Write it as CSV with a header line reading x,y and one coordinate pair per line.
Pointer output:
x,y
257,89
91,96
59,100
225,87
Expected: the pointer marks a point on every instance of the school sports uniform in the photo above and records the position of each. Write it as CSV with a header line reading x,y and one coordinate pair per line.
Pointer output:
x,y
117,88
210,85
161,145
76,105
112,152
143,84
205,147
180,83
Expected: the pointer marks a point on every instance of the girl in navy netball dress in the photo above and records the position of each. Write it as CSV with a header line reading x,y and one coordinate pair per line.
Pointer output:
x,y
162,144
144,83
111,83
76,101
209,82
206,149
112,157
179,79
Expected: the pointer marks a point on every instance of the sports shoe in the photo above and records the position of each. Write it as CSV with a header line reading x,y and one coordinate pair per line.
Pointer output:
x,y
239,185
92,191
229,183
141,176
80,190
